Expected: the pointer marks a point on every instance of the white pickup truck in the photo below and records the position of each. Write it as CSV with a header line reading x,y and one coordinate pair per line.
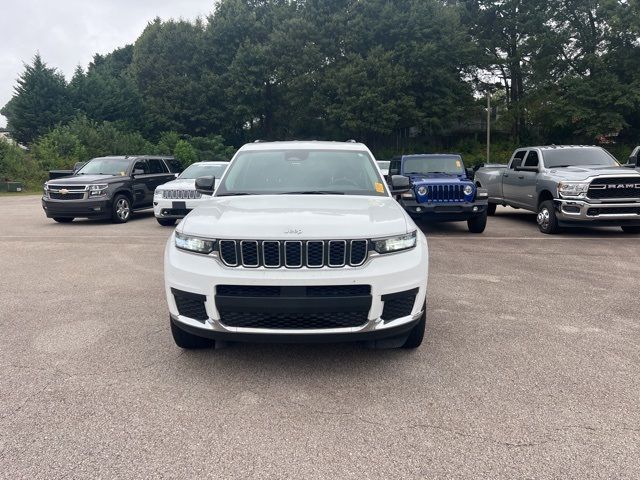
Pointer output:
x,y
301,242
566,186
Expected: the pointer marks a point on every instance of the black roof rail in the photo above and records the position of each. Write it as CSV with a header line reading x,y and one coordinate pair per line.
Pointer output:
x,y
258,141
351,140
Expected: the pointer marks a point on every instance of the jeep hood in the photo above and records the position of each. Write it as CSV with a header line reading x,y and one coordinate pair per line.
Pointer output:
x,y
439,179
284,217
179,184
588,171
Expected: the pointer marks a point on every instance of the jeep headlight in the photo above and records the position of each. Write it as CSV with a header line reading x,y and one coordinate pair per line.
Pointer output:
x,y
422,190
98,190
193,244
395,244
468,190
573,189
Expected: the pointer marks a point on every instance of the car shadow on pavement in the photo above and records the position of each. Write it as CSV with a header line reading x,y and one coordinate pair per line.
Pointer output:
x,y
528,219
289,358
136,217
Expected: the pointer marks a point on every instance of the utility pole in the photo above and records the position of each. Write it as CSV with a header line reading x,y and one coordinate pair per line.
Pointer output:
x,y
488,126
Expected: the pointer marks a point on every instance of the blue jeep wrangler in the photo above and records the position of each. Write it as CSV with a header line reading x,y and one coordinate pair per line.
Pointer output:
x,y
442,190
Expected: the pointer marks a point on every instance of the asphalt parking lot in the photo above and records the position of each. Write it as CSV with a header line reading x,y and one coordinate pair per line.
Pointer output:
x,y
530,367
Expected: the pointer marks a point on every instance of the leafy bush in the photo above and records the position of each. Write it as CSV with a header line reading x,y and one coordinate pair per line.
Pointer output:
x,y
17,165
185,152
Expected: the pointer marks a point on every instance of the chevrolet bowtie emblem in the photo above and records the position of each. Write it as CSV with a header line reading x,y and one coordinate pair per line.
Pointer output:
x,y
64,191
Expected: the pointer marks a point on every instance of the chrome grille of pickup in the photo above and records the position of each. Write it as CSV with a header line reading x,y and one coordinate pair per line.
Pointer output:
x,y
181,194
614,187
293,253
445,193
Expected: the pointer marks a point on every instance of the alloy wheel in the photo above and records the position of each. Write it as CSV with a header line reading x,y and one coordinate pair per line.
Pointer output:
x,y
544,217
122,209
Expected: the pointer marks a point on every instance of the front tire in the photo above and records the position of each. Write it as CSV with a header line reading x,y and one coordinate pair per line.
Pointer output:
x,y
166,222
63,219
121,209
630,229
491,209
547,220
187,340
416,335
477,224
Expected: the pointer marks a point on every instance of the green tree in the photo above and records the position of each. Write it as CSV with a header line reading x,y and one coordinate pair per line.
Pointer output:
x,y
168,69
40,101
185,152
107,92
514,37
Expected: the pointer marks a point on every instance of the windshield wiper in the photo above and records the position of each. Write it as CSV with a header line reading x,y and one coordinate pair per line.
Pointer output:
x,y
234,194
313,192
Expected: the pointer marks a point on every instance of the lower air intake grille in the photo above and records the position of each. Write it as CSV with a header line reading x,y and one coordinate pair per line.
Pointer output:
x,y
397,305
190,305
294,321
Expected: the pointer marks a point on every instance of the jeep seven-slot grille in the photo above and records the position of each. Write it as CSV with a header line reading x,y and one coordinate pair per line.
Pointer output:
x,y
445,193
293,253
616,187
181,194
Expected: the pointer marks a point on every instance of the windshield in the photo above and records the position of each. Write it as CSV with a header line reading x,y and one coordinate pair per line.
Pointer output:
x,y
106,166
332,172
568,157
424,164
203,170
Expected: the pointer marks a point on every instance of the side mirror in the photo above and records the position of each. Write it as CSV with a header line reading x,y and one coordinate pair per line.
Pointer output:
x,y
137,171
470,173
400,184
206,185
634,158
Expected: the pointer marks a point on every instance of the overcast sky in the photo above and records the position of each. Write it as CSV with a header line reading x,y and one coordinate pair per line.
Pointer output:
x,y
70,32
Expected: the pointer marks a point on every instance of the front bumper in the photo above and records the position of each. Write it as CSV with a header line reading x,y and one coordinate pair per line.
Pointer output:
x,y
168,208
100,208
445,211
578,211
385,274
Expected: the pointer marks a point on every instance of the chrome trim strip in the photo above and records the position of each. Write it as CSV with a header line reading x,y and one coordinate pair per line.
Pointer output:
x,y
245,264
235,247
264,262
366,252
344,256
317,265
285,253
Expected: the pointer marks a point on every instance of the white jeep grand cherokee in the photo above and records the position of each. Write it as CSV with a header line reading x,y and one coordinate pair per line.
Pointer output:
x,y
302,242
173,200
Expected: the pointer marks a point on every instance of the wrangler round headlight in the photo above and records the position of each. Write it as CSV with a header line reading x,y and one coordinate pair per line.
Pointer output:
x,y
468,190
422,190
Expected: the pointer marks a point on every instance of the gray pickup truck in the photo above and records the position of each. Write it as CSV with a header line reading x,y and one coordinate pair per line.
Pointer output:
x,y
566,186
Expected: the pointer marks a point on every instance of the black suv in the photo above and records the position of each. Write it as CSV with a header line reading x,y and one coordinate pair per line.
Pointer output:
x,y
108,187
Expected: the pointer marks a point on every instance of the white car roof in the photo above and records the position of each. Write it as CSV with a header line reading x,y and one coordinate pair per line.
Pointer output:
x,y
210,162
304,145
